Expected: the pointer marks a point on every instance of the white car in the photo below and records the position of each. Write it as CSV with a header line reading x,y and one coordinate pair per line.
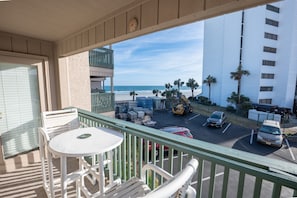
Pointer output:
x,y
270,133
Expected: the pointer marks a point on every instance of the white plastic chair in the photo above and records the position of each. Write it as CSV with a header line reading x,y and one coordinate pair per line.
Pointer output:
x,y
178,185
53,123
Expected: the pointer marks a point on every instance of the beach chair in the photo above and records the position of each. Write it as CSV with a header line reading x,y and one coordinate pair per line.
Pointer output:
x,y
178,185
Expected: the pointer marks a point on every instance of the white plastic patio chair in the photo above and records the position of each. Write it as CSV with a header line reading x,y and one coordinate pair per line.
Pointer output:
x,y
53,123
178,185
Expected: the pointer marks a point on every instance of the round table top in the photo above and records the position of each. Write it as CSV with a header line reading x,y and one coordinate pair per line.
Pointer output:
x,y
85,141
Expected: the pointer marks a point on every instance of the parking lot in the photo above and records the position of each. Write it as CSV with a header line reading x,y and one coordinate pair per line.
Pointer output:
x,y
230,135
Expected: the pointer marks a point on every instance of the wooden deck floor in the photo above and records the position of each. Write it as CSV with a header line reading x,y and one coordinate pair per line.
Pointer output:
x,y
27,181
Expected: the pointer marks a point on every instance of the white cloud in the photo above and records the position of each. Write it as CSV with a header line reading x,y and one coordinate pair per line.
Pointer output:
x,y
160,57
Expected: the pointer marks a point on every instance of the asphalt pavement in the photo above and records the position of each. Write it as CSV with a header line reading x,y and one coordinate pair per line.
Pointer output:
x,y
230,135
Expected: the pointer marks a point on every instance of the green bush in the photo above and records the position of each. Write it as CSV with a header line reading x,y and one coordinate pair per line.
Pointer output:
x,y
244,108
203,100
231,109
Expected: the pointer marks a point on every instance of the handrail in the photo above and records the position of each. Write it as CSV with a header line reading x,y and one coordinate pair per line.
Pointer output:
x,y
276,171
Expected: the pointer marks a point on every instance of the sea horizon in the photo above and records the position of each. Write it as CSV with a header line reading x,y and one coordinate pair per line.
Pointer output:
x,y
122,92
140,88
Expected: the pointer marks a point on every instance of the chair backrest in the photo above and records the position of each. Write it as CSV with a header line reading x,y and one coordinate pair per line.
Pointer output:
x,y
179,184
56,122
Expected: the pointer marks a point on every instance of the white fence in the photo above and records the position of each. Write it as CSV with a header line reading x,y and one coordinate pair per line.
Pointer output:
x,y
261,116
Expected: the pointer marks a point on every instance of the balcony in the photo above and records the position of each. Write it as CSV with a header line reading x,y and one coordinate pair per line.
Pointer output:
x,y
102,102
101,57
222,172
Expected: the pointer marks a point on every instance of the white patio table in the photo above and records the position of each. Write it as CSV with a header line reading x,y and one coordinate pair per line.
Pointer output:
x,y
83,142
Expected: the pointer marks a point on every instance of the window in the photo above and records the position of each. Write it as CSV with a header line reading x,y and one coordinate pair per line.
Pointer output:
x,y
270,36
266,88
265,101
268,62
272,8
269,49
267,76
271,22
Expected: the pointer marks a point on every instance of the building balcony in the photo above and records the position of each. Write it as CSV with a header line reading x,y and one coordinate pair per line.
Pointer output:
x,y
102,102
222,171
101,57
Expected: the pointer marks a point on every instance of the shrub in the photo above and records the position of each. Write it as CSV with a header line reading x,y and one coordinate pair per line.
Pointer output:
x,y
230,108
243,108
203,100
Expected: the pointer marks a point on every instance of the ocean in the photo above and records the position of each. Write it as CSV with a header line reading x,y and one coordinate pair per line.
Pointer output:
x,y
123,92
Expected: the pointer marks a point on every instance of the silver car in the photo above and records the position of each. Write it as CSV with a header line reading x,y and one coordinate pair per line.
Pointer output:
x,y
217,119
270,133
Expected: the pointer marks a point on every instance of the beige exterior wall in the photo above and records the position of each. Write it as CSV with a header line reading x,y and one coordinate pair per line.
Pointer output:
x,y
74,76
152,16
16,47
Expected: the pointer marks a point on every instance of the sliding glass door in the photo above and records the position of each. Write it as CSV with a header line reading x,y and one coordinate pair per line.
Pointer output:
x,y
19,108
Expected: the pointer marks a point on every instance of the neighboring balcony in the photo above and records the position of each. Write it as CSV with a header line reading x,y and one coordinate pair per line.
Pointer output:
x,y
101,66
101,57
102,102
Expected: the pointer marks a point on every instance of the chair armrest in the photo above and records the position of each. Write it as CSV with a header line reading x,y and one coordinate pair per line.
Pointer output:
x,y
43,133
179,184
156,169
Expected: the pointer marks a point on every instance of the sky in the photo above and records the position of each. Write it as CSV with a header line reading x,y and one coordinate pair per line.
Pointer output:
x,y
161,57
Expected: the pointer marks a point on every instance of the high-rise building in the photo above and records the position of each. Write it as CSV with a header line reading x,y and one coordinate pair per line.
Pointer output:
x,y
264,40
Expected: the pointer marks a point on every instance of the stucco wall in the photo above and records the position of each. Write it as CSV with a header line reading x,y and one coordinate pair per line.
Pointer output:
x,y
74,72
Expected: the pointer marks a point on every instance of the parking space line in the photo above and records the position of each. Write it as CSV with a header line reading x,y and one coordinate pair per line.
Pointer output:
x,y
195,116
216,175
252,136
174,157
207,178
204,124
290,150
227,127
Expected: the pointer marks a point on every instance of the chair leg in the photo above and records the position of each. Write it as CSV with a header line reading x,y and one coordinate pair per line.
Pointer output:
x,y
80,183
51,174
101,173
43,167
110,166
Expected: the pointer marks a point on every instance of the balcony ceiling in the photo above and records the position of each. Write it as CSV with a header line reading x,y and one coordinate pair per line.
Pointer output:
x,y
55,20
40,18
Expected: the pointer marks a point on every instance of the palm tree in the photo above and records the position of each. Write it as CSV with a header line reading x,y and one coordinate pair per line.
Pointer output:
x,y
178,83
237,75
168,93
209,80
156,92
192,84
168,86
133,93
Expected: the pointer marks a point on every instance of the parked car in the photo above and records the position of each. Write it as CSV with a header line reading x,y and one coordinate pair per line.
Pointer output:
x,y
217,119
183,131
270,133
177,130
